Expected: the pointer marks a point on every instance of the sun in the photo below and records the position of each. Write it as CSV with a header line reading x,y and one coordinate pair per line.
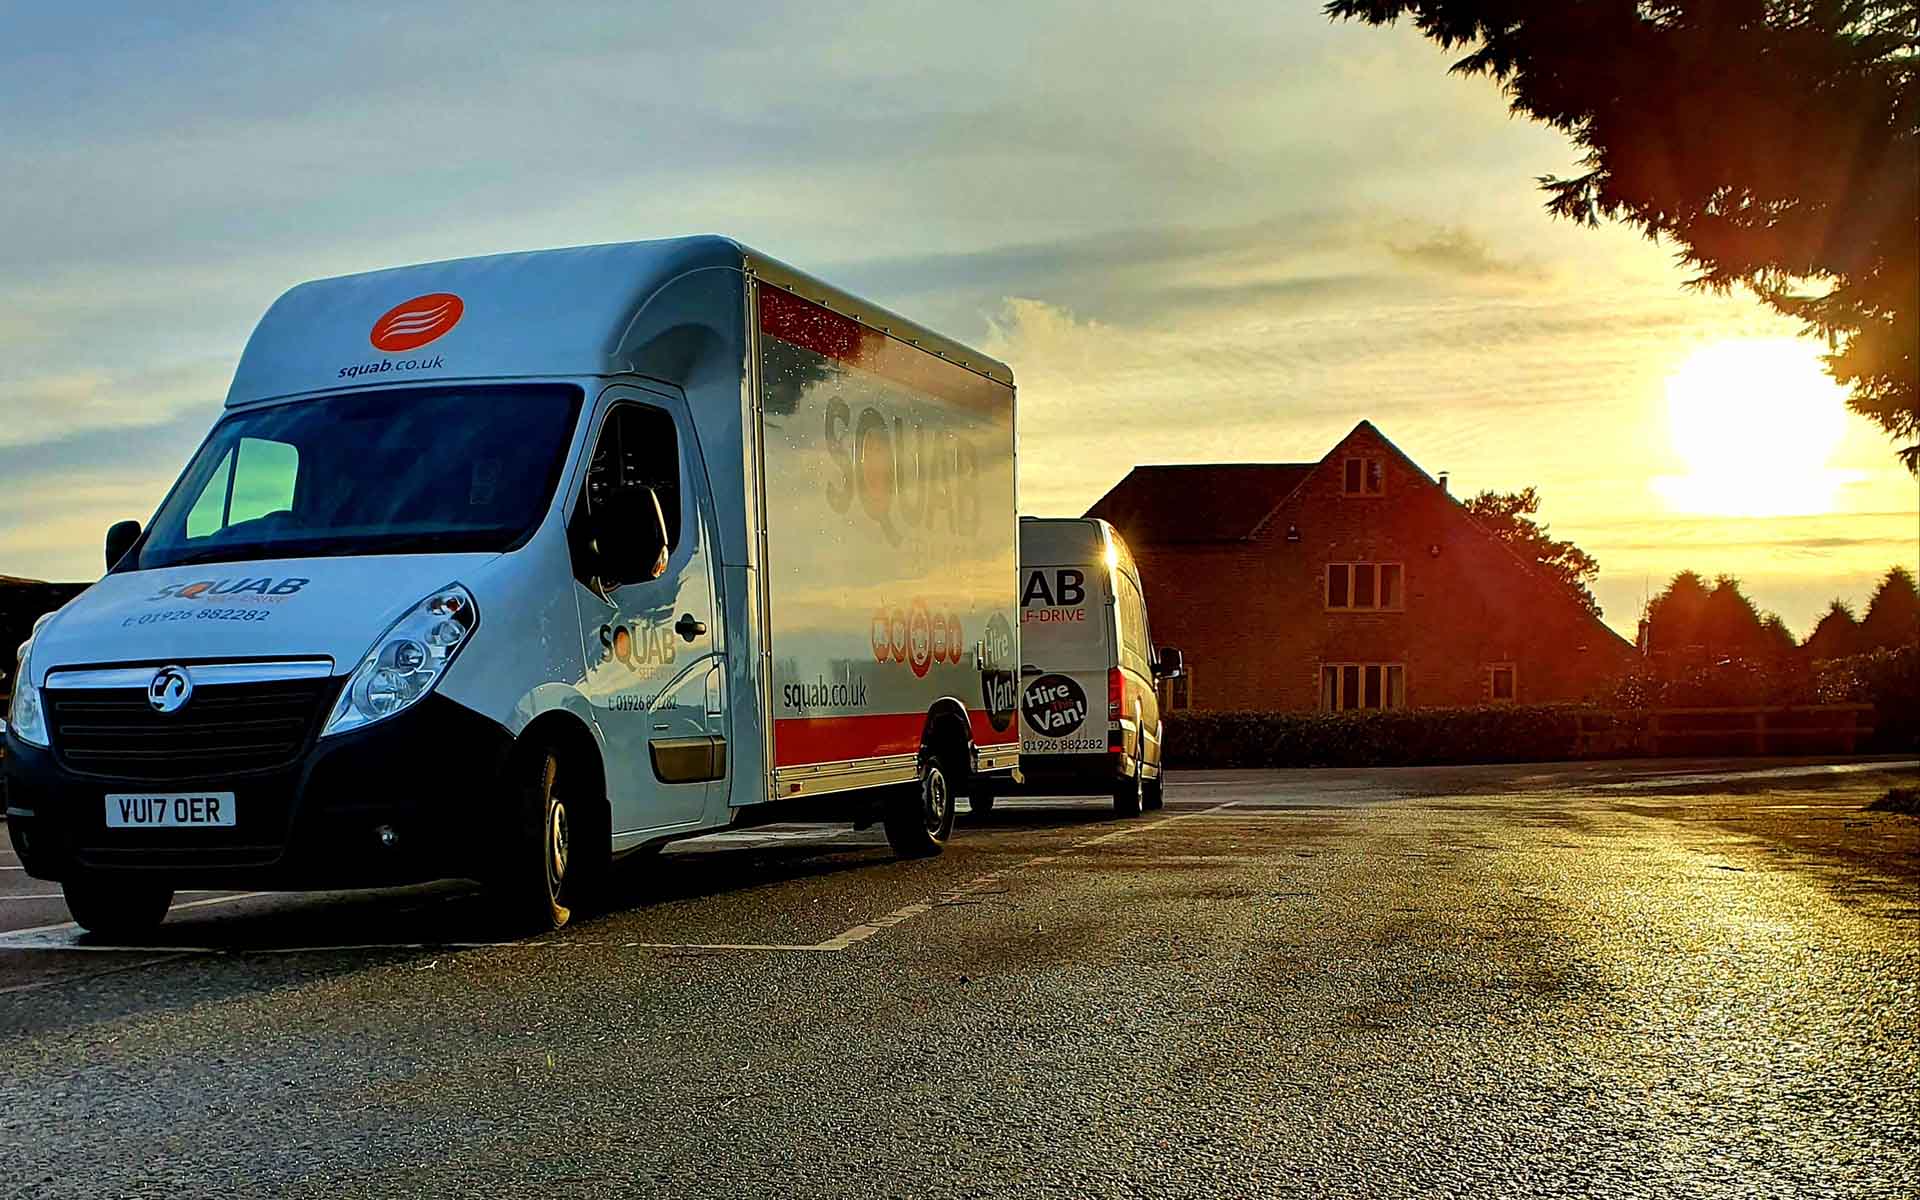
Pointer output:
x,y
1755,421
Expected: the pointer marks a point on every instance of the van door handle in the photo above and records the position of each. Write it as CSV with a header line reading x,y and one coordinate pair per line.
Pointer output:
x,y
689,628
1027,669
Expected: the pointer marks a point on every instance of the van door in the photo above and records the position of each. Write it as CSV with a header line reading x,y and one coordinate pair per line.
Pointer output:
x,y
653,642
1066,648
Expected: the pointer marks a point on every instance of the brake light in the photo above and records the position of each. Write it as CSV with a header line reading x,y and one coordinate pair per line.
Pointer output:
x,y
1116,694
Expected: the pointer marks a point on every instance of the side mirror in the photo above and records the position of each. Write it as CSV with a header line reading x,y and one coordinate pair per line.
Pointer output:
x,y
1169,663
630,537
120,539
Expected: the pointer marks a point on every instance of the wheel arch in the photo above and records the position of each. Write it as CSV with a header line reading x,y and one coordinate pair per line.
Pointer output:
x,y
570,737
947,718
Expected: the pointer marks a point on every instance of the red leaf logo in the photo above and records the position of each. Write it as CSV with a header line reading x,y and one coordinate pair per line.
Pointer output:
x,y
413,323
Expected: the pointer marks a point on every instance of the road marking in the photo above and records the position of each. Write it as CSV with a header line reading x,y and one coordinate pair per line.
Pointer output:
x,y
61,925
50,941
66,935
62,896
899,916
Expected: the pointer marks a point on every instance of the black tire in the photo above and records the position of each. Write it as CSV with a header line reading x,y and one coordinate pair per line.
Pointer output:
x,y
535,882
920,819
1129,793
1154,796
980,799
120,909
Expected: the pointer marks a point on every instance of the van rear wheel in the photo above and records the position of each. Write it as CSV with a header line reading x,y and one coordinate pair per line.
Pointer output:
x,y
1155,794
920,820
1129,794
116,908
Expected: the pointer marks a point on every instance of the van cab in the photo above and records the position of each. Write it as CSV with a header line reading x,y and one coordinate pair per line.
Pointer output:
x,y
1089,709
505,567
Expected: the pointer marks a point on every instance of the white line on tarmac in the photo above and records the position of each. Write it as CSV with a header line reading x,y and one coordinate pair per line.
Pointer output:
x,y
62,896
54,928
48,942
860,933
47,937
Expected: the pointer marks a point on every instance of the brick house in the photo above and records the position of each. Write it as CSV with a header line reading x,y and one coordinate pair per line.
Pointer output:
x,y
1353,582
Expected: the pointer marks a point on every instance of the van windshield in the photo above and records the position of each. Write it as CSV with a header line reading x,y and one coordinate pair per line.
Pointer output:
x,y
431,470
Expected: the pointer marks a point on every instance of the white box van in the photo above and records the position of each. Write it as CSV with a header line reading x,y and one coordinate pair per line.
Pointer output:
x,y
1089,711
504,567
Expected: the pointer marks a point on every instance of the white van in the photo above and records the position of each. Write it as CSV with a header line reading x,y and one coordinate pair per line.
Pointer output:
x,y
1084,639
505,567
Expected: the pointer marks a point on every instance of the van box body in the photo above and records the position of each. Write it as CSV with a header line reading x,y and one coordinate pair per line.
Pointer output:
x,y
838,493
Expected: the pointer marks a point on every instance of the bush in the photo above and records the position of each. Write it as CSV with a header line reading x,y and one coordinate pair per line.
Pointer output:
x,y
1395,738
1887,679
1728,683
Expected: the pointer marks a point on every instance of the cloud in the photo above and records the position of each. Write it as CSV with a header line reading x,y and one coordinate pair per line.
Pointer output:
x,y
1222,229
1458,251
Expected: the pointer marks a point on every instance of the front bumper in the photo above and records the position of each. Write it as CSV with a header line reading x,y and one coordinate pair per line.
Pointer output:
x,y
430,774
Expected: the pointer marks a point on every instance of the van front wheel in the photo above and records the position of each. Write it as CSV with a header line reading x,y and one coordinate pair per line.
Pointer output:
x,y
534,879
112,908
919,821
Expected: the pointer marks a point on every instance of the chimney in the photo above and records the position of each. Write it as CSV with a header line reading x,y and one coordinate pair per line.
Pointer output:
x,y
1443,483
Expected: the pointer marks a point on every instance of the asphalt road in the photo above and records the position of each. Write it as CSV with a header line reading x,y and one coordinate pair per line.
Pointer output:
x,y
1598,979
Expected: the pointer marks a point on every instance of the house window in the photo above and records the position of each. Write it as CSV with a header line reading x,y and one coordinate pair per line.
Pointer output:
x,y
1365,587
1346,686
1363,477
1502,683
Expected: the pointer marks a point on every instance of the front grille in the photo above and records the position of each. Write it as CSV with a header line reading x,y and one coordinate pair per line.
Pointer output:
x,y
225,729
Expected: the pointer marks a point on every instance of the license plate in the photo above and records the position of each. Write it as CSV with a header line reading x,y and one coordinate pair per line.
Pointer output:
x,y
169,810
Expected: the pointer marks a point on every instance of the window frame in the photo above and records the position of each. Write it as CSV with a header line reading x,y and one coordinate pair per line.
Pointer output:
x,y
1513,684
1351,591
1372,476
581,519
1337,676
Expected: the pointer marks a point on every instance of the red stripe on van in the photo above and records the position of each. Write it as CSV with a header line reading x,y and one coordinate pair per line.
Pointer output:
x,y
800,741
810,326
807,325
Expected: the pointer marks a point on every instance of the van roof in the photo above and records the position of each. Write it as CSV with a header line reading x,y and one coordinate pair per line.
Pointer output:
x,y
564,312
1047,541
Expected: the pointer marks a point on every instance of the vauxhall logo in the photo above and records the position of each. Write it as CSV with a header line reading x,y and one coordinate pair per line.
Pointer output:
x,y
169,689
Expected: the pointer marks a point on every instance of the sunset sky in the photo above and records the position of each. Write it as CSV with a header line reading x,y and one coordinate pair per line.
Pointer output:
x,y
1198,232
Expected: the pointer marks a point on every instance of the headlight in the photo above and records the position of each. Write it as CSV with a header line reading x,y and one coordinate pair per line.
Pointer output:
x,y
407,660
26,716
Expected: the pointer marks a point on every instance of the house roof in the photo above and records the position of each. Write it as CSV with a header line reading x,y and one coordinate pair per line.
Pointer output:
x,y
1211,502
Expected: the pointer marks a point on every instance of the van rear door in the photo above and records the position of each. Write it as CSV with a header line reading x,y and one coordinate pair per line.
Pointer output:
x,y
1066,632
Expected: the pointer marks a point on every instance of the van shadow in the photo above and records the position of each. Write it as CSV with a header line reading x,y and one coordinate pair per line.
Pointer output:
x,y
458,912
652,880
1049,812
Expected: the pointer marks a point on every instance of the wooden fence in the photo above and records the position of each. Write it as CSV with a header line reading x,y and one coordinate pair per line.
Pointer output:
x,y
1777,729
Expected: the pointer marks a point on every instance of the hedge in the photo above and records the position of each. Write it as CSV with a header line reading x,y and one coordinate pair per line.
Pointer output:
x,y
1887,679
1394,738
